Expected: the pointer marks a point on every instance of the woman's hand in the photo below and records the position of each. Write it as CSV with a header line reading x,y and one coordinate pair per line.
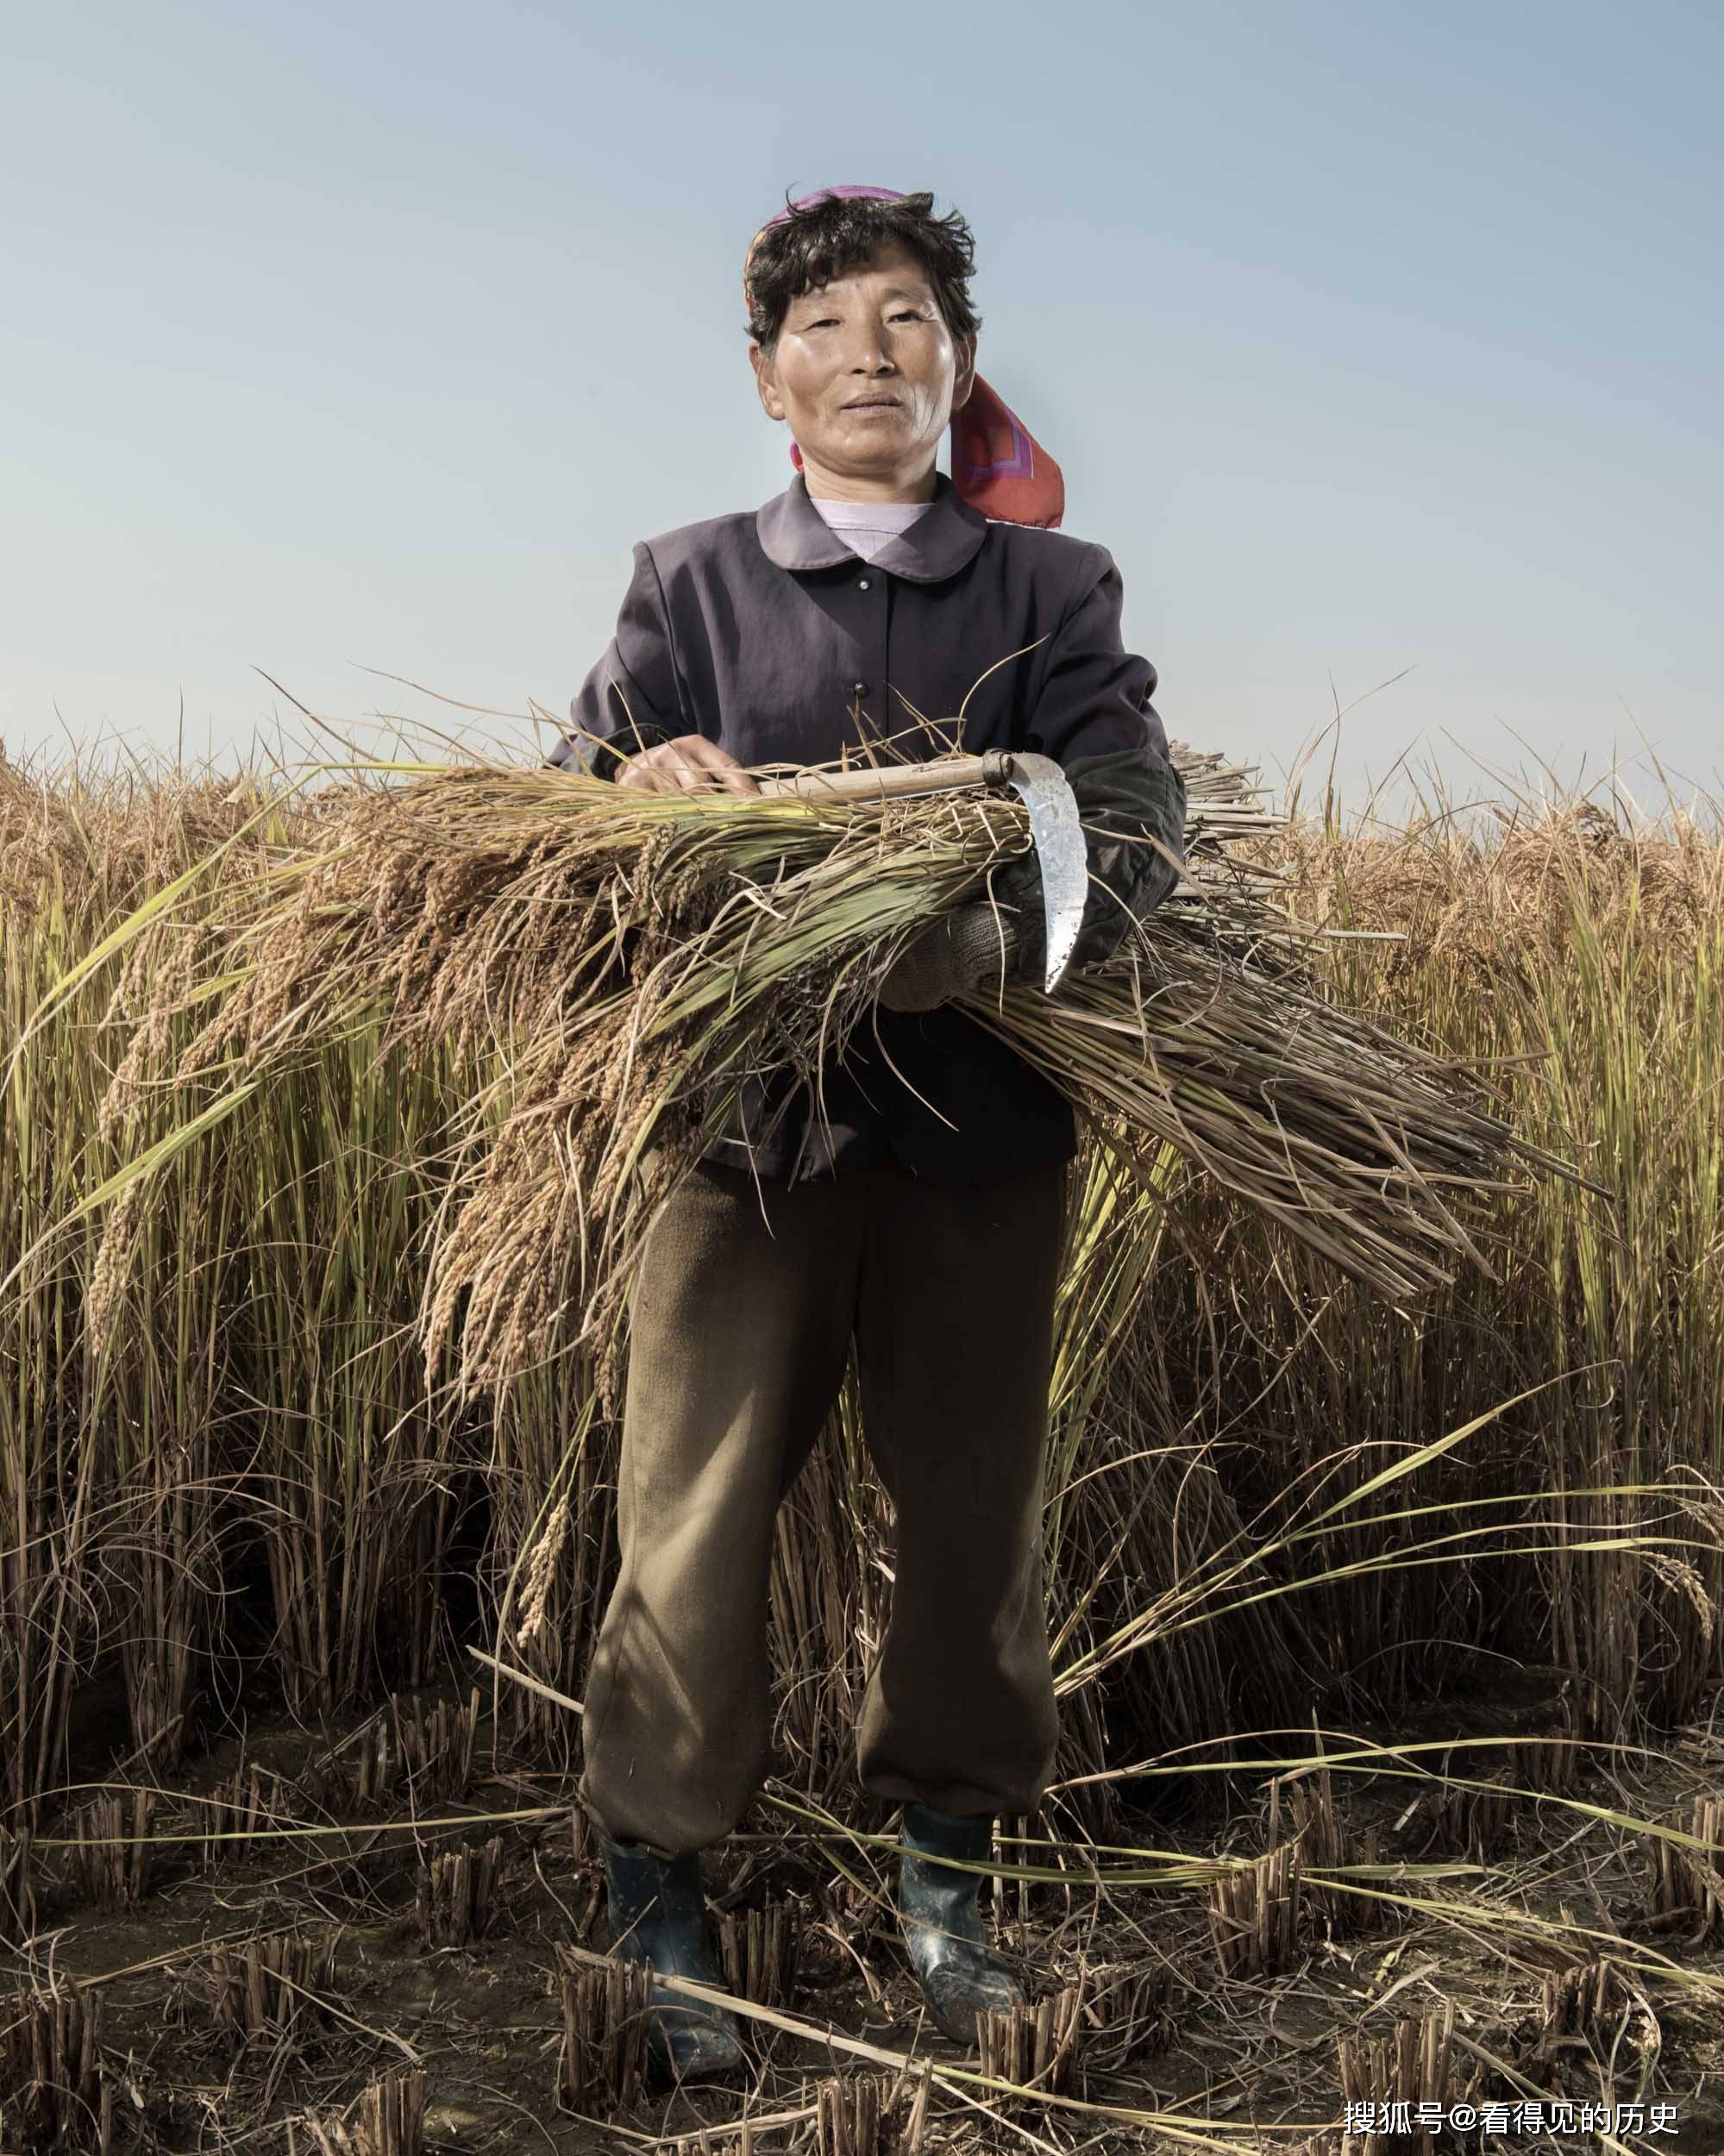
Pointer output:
x,y
958,952
689,764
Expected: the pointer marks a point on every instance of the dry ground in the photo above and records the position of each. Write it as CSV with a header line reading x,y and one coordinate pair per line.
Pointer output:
x,y
1242,2052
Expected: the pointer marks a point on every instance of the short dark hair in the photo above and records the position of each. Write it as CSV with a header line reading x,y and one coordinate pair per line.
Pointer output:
x,y
838,233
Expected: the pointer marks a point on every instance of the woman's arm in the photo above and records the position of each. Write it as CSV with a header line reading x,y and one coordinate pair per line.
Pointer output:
x,y
1094,718
628,720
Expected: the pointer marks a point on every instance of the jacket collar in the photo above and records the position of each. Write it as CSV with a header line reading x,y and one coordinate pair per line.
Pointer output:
x,y
794,535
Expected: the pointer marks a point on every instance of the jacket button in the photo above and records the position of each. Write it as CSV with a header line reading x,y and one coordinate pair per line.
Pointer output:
x,y
859,688
861,584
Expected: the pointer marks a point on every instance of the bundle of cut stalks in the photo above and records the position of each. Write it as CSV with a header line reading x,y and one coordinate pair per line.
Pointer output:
x,y
609,966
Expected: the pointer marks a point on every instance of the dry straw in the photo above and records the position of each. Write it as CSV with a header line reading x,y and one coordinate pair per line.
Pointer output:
x,y
612,966
1251,1497
1267,1487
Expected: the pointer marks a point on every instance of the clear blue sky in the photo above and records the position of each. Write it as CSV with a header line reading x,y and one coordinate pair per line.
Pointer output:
x,y
1371,336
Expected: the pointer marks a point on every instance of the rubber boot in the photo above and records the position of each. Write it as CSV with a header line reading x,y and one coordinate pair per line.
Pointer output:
x,y
658,1920
960,1975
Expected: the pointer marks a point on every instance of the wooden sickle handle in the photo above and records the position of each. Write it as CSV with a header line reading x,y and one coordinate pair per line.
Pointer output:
x,y
887,782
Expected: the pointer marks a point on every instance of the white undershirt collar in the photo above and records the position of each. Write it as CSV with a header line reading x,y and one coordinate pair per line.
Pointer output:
x,y
867,526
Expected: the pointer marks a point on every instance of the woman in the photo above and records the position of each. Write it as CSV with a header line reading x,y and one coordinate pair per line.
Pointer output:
x,y
922,1212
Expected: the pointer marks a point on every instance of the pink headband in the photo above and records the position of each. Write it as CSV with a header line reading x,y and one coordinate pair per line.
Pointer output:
x,y
998,466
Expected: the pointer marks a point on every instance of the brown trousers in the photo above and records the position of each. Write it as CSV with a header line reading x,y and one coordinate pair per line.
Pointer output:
x,y
742,1315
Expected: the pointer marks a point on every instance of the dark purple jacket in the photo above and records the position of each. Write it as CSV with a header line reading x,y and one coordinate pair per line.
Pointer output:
x,y
766,634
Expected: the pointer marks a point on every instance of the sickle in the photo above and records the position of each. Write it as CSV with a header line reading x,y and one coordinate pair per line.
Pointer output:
x,y
1039,783
1045,792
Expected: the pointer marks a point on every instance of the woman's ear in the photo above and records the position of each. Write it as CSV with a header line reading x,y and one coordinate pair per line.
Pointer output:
x,y
771,403
963,377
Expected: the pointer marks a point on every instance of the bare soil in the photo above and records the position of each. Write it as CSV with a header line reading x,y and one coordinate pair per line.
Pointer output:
x,y
1166,2030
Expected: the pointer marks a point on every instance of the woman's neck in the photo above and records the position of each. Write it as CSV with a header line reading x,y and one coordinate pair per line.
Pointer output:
x,y
850,487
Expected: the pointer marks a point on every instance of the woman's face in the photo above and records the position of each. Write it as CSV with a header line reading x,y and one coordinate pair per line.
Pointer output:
x,y
866,375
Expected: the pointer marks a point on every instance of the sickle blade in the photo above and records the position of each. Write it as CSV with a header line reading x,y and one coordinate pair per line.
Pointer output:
x,y
1042,785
